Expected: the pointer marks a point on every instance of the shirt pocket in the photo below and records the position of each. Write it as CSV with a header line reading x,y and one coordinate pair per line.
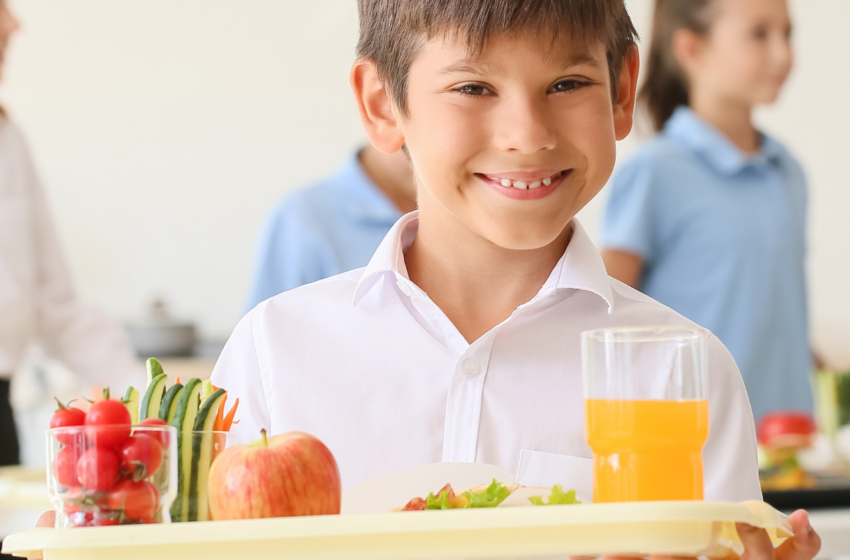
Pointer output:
x,y
538,468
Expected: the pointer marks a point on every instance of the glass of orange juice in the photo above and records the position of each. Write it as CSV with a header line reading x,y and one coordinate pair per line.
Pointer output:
x,y
646,412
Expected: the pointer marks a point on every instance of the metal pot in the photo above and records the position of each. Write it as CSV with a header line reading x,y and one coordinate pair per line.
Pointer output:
x,y
160,335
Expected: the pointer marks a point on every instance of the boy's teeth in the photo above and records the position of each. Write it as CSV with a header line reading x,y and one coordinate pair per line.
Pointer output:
x,y
523,185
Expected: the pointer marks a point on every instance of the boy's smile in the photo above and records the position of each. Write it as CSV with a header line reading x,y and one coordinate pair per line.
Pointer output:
x,y
511,143
525,185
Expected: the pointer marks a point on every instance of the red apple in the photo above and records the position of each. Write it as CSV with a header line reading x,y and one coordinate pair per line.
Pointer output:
x,y
282,476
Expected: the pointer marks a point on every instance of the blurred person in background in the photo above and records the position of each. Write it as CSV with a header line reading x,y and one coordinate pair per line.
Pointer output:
x,y
334,225
38,303
709,217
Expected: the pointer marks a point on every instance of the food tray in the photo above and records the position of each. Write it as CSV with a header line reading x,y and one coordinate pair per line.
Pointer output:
x,y
670,528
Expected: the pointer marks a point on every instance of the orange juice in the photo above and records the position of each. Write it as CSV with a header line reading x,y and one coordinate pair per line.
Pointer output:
x,y
646,449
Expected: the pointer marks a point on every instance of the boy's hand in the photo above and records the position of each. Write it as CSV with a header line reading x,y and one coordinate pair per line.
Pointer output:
x,y
803,546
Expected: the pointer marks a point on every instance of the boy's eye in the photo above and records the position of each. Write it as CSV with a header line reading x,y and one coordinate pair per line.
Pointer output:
x,y
567,86
473,89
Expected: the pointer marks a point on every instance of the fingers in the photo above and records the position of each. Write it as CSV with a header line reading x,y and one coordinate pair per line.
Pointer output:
x,y
757,545
806,542
47,519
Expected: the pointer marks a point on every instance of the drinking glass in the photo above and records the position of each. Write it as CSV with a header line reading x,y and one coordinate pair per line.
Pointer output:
x,y
113,497
646,408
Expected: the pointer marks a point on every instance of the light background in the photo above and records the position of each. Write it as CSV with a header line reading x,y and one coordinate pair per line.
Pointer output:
x,y
165,130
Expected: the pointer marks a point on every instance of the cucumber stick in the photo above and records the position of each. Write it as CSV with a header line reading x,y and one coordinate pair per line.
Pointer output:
x,y
206,390
168,407
202,455
152,369
188,403
153,398
131,401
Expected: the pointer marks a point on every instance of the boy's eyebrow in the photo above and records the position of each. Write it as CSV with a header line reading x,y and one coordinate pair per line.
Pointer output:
x,y
469,66
466,66
581,59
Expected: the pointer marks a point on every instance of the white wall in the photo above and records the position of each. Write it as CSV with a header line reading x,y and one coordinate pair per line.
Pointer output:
x,y
165,129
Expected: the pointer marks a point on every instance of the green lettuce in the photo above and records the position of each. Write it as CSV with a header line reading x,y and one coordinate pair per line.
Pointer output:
x,y
557,497
438,502
491,496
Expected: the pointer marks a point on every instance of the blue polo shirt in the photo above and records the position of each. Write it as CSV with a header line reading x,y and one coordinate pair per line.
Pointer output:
x,y
722,237
330,227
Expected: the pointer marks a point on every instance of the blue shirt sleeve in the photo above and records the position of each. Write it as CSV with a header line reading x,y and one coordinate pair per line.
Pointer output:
x,y
630,209
287,256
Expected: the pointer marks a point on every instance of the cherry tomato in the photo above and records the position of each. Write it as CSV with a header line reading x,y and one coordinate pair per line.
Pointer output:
x,y
108,423
65,417
140,450
160,435
97,469
139,500
65,467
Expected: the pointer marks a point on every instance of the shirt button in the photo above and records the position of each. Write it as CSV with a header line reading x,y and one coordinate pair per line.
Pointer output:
x,y
470,367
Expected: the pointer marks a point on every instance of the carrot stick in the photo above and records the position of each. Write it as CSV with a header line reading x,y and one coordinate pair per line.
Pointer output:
x,y
228,420
177,380
219,416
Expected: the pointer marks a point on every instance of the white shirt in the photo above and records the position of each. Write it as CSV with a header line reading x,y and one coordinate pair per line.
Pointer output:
x,y
38,303
367,363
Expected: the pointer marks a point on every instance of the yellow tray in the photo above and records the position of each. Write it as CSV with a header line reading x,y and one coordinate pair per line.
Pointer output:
x,y
670,528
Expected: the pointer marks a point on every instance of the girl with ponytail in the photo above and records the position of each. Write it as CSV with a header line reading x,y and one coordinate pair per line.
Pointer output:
x,y
709,217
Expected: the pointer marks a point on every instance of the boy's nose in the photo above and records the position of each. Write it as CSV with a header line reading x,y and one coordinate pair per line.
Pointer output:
x,y
524,126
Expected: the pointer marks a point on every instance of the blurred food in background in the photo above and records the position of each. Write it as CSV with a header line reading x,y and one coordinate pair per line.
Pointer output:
x,y
781,436
804,460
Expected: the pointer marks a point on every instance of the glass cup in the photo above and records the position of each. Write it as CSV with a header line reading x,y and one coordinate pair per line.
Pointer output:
x,y
197,451
646,409
111,475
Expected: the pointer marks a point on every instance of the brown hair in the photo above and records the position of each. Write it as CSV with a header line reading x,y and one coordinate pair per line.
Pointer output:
x,y
666,86
393,31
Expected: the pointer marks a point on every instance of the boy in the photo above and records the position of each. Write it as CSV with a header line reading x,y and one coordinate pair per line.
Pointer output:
x,y
460,340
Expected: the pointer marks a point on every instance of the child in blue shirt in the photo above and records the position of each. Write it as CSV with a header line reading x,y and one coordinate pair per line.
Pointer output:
x,y
709,217
332,226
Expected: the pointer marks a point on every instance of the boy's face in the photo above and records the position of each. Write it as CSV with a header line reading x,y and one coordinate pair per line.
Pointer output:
x,y
513,143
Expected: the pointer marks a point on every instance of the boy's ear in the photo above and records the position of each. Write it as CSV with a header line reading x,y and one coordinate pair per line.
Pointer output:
x,y
375,106
624,107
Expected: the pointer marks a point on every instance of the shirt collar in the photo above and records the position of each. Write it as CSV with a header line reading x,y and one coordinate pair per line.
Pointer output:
x,y
580,267
717,150
367,202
